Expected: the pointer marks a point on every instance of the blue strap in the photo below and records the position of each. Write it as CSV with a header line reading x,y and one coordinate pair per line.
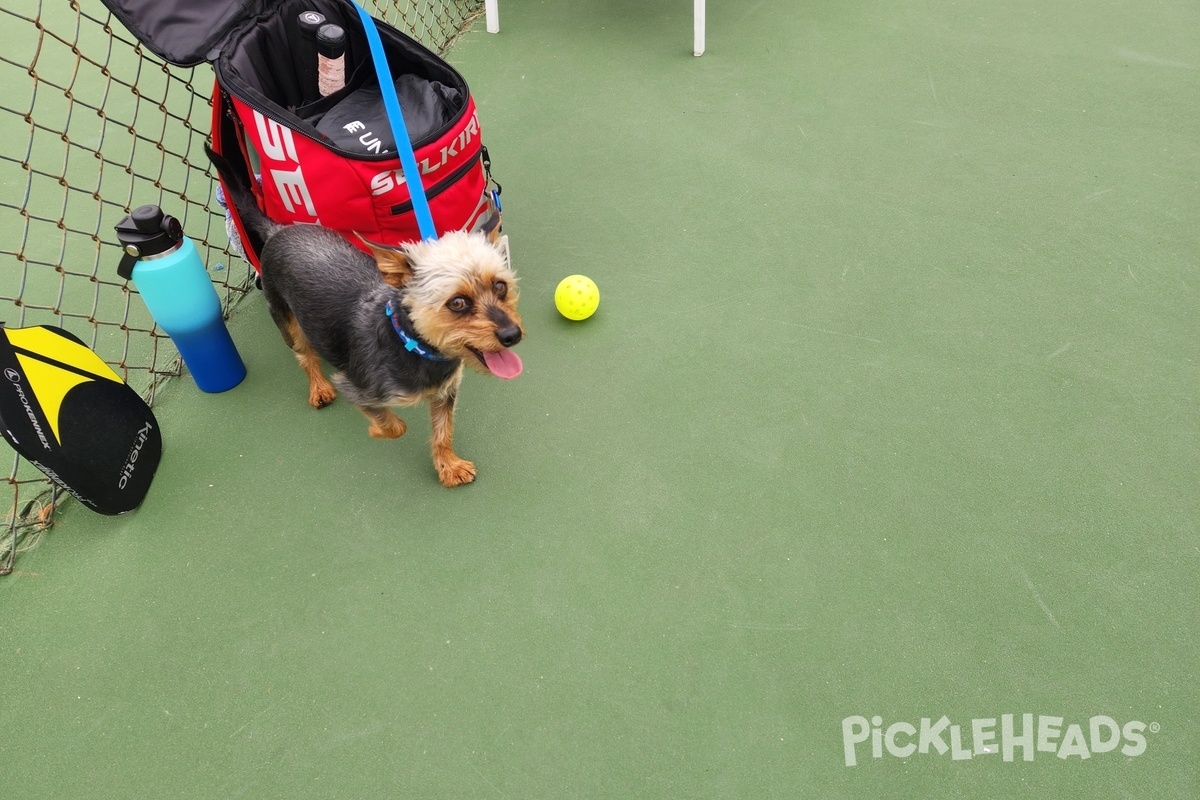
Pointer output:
x,y
391,104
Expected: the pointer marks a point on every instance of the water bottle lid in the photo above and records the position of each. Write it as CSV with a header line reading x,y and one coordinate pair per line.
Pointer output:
x,y
146,232
310,23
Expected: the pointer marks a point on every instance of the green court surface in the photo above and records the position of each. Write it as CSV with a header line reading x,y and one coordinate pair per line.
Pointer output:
x,y
874,476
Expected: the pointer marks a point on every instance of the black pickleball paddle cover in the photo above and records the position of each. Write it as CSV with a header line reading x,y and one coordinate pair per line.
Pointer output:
x,y
72,417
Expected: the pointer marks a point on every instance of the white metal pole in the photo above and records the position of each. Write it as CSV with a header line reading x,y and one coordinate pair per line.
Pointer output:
x,y
698,48
492,8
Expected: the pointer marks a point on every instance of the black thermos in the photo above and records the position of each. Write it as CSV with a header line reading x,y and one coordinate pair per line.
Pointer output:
x,y
306,55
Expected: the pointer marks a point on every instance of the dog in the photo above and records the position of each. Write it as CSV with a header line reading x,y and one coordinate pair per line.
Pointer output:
x,y
397,327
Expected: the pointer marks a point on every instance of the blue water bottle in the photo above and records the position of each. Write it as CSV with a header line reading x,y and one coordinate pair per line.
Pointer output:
x,y
172,280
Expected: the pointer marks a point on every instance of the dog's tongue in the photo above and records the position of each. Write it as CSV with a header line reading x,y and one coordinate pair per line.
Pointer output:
x,y
503,364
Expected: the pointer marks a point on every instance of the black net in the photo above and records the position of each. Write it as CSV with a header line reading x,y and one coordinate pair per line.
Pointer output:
x,y
93,125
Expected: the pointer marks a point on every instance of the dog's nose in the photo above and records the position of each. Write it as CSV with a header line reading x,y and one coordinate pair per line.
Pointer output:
x,y
509,335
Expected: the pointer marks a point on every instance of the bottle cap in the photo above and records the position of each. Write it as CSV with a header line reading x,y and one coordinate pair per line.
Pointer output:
x,y
331,41
310,23
146,232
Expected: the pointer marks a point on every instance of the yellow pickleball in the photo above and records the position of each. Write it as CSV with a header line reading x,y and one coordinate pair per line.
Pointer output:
x,y
577,297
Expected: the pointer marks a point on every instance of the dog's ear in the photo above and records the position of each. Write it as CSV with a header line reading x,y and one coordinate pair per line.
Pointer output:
x,y
393,264
491,228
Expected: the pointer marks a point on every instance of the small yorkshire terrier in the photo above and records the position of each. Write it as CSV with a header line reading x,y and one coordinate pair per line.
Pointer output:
x,y
397,328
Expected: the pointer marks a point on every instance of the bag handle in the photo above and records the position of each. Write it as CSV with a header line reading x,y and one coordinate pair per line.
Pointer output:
x,y
391,104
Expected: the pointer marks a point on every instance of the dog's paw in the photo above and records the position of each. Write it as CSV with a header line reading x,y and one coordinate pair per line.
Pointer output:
x,y
390,427
321,396
455,472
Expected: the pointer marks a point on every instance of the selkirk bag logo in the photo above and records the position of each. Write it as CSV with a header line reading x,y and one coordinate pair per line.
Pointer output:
x,y
1013,737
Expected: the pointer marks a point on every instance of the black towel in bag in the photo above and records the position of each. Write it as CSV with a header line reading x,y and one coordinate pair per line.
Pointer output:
x,y
359,122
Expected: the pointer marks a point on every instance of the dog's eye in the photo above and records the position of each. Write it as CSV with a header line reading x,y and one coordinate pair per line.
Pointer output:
x,y
500,288
458,304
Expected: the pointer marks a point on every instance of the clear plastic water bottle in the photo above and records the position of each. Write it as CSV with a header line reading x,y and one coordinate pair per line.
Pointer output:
x,y
172,280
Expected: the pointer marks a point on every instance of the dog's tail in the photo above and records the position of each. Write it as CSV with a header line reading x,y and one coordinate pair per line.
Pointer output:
x,y
239,196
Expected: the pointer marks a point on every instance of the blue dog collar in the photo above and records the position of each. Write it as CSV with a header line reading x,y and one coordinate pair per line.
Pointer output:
x,y
411,343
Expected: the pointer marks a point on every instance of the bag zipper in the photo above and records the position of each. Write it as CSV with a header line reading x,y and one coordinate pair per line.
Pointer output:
x,y
310,131
440,186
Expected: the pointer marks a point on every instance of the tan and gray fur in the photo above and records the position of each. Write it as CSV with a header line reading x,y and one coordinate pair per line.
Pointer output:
x,y
328,299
